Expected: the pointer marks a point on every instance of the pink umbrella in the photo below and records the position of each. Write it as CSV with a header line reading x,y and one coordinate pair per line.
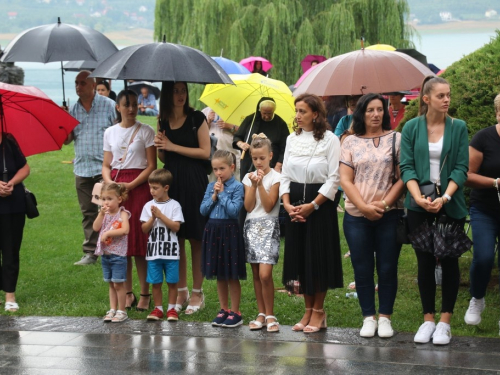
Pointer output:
x,y
305,74
364,71
306,63
249,63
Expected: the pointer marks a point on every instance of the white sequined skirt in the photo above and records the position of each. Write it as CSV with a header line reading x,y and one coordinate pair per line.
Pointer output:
x,y
262,240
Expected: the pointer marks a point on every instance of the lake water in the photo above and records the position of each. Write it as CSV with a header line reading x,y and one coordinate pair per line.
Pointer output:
x,y
441,49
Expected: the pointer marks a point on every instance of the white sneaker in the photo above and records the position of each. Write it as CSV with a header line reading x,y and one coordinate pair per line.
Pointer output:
x,y
369,327
385,328
425,332
442,334
86,260
473,314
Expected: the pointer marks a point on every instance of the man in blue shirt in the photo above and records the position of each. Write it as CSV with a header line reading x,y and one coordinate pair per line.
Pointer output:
x,y
147,103
95,113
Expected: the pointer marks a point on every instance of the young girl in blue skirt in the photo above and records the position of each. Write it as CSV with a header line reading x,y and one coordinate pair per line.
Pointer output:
x,y
223,251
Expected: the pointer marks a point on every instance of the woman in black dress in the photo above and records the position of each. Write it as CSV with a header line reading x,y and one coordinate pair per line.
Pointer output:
x,y
183,143
12,215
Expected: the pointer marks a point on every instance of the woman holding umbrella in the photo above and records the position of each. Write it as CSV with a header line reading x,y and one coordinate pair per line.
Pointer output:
x,y
264,120
12,215
183,144
434,165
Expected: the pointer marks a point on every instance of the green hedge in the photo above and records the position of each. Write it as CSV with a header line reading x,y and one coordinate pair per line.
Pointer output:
x,y
475,81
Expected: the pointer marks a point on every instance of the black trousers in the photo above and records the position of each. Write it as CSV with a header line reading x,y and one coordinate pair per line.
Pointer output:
x,y
426,268
11,236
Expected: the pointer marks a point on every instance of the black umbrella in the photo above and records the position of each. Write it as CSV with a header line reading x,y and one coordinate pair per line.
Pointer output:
x,y
76,66
415,54
162,62
58,42
137,86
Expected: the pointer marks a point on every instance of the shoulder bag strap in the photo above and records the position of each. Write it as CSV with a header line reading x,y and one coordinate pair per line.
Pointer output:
x,y
126,151
394,178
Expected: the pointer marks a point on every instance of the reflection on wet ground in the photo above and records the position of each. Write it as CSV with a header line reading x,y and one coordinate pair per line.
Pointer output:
x,y
38,345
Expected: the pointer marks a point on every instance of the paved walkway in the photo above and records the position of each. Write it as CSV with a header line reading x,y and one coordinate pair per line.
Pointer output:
x,y
40,345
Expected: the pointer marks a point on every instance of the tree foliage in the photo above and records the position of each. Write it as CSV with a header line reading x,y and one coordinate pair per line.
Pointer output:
x,y
283,31
474,82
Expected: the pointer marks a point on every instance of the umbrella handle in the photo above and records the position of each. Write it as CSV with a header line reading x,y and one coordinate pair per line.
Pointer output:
x,y
242,155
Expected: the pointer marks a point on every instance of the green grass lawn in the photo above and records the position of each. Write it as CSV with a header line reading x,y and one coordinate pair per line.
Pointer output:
x,y
50,285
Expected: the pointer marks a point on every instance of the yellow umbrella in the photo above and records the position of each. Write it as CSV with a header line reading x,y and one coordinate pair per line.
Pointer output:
x,y
235,102
382,47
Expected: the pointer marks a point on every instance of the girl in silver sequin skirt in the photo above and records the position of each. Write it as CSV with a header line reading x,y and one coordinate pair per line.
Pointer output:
x,y
261,229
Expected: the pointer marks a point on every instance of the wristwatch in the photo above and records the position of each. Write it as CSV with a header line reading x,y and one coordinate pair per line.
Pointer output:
x,y
448,198
316,206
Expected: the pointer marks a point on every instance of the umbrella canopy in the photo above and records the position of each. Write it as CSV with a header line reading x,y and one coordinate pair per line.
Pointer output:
x,y
234,103
58,42
249,63
364,71
381,47
306,63
230,66
163,61
303,76
415,54
38,124
76,66
137,86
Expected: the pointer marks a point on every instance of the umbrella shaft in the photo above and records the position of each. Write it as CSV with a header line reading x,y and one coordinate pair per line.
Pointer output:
x,y
62,76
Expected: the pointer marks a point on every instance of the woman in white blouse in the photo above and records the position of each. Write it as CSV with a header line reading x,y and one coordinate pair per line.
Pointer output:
x,y
129,158
310,179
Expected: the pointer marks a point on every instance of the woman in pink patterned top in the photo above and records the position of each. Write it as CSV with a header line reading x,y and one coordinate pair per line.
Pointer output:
x,y
367,175
113,226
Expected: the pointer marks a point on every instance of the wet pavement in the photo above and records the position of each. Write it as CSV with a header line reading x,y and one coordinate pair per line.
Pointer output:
x,y
55,345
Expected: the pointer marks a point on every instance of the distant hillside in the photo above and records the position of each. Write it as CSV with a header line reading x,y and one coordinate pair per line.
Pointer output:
x,y
102,15
433,12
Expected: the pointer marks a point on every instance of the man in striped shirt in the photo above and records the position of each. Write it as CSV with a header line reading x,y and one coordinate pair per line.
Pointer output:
x,y
95,113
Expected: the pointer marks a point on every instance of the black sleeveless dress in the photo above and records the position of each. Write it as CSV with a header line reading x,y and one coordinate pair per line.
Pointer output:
x,y
189,176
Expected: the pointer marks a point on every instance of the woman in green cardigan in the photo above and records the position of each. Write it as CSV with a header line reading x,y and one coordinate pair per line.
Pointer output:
x,y
434,150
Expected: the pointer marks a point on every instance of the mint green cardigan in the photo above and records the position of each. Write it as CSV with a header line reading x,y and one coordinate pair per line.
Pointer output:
x,y
415,163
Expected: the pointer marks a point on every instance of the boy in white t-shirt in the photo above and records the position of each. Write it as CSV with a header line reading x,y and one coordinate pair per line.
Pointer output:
x,y
162,218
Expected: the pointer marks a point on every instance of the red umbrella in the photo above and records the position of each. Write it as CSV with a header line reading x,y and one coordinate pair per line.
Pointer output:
x,y
306,63
249,63
37,123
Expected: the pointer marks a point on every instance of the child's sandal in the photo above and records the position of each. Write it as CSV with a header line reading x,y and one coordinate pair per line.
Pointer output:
x,y
255,325
272,324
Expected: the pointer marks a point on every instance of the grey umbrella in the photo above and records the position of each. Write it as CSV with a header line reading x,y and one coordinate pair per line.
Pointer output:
x,y
137,86
76,66
58,42
163,61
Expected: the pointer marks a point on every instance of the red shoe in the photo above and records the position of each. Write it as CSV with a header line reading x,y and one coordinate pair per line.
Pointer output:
x,y
172,315
156,314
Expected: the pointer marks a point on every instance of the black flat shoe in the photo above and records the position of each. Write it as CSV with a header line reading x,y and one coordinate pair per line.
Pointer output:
x,y
134,301
149,304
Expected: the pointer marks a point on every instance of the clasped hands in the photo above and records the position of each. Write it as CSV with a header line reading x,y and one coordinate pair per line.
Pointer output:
x,y
299,214
162,142
256,177
6,189
432,206
218,188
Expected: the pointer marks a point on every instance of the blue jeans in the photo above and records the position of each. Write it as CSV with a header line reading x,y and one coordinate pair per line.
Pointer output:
x,y
364,238
485,230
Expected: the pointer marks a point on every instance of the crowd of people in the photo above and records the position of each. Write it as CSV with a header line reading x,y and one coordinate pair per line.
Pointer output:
x,y
147,214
